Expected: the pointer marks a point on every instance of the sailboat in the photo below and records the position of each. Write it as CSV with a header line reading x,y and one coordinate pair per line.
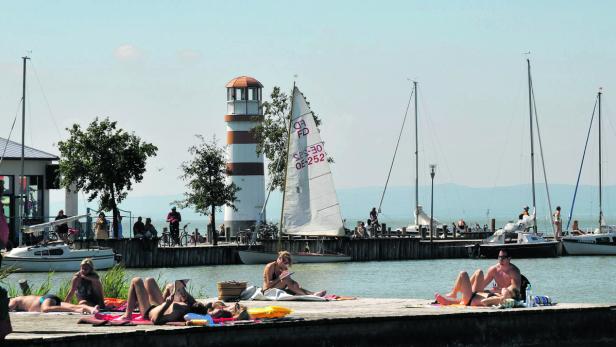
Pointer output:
x,y
520,239
309,205
603,240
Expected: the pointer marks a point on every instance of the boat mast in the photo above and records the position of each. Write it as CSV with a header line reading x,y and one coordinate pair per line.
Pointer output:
x,y
416,162
532,149
286,169
600,188
23,132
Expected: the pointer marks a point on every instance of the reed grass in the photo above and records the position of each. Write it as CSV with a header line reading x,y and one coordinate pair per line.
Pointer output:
x,y
115,284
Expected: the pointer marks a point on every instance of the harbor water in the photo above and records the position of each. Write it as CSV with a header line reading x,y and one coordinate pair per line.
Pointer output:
x,y
567,279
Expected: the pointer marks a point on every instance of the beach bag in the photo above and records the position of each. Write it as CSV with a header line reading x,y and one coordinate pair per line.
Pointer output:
x,y
230,290
523,286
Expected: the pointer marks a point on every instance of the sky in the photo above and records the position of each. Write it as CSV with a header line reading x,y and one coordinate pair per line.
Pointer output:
x,y
159,69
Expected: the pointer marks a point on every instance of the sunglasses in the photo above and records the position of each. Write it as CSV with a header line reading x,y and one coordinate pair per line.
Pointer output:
x,y
503,257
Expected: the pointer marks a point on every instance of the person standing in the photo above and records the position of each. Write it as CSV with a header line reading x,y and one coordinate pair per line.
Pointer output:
x,y
558,223
138,228
174,218
101,228
62,229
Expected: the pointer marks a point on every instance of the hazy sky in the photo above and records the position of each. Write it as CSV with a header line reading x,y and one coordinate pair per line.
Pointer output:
x,y
160,67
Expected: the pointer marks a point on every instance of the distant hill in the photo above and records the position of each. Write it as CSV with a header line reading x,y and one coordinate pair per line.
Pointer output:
x,y
450,203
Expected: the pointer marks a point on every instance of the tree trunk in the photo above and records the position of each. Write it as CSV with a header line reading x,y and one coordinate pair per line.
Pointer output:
x,y
214,231
114,222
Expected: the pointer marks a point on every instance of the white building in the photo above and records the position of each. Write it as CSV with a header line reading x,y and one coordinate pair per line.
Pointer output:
x,y
244,166
41,175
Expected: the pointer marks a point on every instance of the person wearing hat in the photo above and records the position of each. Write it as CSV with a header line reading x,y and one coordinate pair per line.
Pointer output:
x,y
524,213
87,285
174,218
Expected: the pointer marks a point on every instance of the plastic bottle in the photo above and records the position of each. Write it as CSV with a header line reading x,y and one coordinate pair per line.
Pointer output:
x,y
529,299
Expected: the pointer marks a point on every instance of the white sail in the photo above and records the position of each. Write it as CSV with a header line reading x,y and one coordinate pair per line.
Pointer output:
x,y
310,205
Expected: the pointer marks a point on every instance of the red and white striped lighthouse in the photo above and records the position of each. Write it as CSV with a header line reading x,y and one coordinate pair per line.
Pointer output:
x,y
244,165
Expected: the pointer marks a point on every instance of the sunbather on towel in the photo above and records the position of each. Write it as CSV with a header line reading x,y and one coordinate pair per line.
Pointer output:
x,y
506,276
47,303
87,285
160,308
276,275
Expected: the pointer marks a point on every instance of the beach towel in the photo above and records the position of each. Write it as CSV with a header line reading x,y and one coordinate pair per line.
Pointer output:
x,y
115,305
275,294
114,317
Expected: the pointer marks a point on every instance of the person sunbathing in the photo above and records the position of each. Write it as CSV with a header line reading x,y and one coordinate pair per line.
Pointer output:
x,y
87,285
160,307
48,303
506,276
276,275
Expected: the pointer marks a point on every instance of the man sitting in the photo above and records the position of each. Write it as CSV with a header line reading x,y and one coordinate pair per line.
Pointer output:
x,y
276,275
47,303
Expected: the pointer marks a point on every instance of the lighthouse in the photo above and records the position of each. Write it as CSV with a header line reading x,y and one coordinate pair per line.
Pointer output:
x,y
244,165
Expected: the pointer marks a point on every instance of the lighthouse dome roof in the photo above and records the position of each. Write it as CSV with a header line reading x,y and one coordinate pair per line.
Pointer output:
x,y
244,82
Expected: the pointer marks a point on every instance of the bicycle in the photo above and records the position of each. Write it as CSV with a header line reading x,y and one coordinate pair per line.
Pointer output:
x,y
166,240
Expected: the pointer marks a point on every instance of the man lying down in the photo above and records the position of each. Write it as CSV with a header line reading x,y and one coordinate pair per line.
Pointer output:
x,y
47,303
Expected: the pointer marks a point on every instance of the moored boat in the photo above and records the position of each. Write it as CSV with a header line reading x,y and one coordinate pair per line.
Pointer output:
x,y
256,257
603,240
56,256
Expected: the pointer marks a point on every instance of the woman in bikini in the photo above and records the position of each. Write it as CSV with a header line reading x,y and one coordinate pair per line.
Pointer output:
x,y
159,307
472,296
87,285
276,275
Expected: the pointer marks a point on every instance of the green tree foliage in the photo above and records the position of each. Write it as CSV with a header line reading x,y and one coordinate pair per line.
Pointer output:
x,y
104,162
206,184
272,136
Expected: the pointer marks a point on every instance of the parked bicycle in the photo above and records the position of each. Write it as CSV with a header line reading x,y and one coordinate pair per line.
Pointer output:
x,y
166,240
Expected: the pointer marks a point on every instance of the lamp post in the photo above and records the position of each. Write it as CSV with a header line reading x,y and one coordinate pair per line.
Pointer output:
x,y
432,173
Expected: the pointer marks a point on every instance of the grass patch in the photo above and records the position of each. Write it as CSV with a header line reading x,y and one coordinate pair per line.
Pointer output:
x,y
115,283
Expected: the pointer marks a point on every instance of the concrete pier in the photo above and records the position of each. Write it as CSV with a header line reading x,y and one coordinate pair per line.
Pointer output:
x,y
362,322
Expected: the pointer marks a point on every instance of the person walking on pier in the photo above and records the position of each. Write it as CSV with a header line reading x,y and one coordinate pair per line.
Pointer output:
x,y
174,218
558,223
138,228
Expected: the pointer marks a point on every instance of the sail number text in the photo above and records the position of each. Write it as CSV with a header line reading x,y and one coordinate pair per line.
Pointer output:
x,y
311,155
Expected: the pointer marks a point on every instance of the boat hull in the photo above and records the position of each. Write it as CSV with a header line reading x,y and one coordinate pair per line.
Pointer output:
x,y
102,258
602,244
255,257
548,249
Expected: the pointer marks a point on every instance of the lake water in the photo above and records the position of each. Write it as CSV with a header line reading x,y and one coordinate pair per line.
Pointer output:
x,y
568,279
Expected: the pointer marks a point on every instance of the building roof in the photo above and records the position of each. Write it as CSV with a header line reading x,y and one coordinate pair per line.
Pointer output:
x,y
13,151
244,82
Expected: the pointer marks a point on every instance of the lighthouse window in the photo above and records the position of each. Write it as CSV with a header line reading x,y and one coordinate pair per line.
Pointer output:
x,y
230,94
253,94
240,94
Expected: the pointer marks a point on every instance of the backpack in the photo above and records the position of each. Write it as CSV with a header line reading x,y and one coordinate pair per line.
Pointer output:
x,y
523,286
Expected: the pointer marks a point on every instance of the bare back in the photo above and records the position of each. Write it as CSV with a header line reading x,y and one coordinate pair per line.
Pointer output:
x,y
271,272
29,303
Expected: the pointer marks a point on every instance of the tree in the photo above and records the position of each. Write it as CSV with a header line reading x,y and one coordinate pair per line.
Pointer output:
x,y
205,177
104,162
272,136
